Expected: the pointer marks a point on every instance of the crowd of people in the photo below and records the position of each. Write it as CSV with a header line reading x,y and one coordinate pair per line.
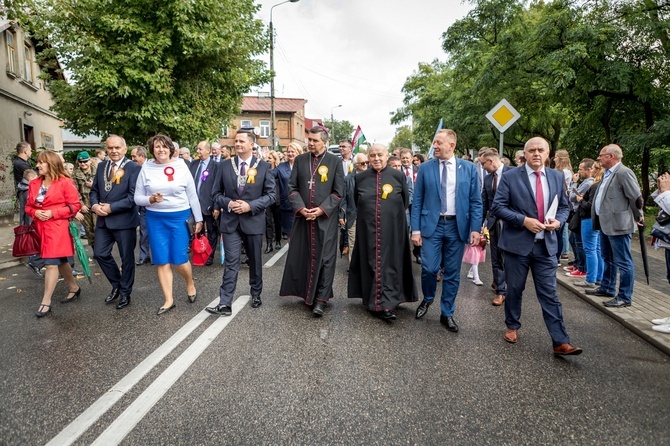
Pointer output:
x,y
379,209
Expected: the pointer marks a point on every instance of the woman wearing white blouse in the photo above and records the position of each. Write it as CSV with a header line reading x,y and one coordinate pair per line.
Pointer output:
x,y
167,190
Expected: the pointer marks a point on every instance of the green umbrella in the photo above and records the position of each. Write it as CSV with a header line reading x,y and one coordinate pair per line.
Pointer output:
x,y
82,255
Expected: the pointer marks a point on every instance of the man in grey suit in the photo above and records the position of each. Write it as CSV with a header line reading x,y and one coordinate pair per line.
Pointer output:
x,y
616,212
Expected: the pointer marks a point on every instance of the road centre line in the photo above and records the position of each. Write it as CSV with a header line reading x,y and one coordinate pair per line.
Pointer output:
x,y
275,258
126,422
96,410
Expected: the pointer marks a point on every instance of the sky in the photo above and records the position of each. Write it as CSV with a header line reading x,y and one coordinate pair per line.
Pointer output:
x,y
355,53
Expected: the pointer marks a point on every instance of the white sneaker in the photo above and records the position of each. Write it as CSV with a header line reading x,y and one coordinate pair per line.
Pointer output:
x,y
478,282
470,275
664,321
661,328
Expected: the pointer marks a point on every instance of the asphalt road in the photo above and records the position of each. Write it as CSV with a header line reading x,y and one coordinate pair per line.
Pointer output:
x,y
89,374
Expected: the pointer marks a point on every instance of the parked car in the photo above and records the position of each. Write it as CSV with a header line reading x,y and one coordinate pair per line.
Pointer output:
x,y
334,149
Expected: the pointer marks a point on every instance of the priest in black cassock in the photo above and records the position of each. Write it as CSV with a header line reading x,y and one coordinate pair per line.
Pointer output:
x,y
380,271
315,190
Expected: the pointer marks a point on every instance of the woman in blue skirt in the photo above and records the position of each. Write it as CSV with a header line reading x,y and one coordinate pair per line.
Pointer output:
x,y
166,189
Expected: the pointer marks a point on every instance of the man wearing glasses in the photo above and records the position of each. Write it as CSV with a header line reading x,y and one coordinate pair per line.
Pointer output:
x,y
616,212
84,172
347,218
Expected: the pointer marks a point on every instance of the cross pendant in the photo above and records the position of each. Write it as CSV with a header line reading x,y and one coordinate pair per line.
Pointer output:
x,y
311,184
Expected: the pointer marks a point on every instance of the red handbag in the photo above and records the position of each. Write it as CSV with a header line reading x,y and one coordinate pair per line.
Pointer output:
x,y
26,241
201,249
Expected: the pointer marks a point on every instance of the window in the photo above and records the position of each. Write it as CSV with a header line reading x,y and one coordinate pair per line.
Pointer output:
x,y
246,124
28,61
265,129
225,131
12,60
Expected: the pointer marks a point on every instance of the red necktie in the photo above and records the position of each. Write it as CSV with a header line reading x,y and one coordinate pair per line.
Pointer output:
x,y
539,196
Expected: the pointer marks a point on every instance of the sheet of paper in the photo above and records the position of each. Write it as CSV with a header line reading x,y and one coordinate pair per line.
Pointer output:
x,y
551,213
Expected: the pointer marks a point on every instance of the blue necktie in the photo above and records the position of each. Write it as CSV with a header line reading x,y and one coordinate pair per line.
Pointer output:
x,y
443,188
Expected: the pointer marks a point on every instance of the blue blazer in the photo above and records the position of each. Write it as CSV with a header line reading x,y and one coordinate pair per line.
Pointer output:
x,y
205,195
514,201
426,202
121,197
260,195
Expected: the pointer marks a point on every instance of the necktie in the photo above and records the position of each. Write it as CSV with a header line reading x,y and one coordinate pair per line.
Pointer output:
x,y
539,196
198,176
495,183
243,173
443,188
112,171
406,171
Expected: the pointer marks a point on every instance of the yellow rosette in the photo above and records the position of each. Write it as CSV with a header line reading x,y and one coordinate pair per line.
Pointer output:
x,y
251,173
323,171
118,175
386,189
351,167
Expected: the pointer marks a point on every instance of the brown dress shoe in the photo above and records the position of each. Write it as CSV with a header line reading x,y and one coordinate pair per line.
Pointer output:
x,y
498,300
511,336
566,349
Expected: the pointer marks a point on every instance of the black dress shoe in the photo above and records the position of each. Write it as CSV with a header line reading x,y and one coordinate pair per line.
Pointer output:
x,y
422,309
387,315
418,260
256,302
123,302
245,260
209,262
162,310
113,295
449,322
36,271
75,295
598,292
278,246
319,309
616,303
142,262
268,249
221,310
76,272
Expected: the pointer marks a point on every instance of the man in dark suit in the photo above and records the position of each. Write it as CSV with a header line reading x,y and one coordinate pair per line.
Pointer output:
x,y
616,211
446,214
113,201
491,163
525,201
347,217
204,175
243,189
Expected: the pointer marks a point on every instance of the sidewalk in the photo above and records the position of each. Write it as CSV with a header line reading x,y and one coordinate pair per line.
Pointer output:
x,y
649,301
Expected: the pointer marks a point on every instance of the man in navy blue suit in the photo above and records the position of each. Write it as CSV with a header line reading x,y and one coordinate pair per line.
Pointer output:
x,y
494,167
244,187
525,201
113,201
446,214
204,172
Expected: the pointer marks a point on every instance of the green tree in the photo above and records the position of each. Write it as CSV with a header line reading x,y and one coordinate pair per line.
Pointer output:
x,y
137,67
339,130
403,137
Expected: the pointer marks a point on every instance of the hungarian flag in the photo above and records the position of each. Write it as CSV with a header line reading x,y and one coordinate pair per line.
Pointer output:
x,y
358,140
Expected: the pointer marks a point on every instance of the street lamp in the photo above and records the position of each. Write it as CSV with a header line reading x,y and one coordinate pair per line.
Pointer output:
x,y
332,121
272,80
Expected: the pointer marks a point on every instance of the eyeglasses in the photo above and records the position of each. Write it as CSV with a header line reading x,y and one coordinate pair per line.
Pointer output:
x,y
82,161
604,154
364,163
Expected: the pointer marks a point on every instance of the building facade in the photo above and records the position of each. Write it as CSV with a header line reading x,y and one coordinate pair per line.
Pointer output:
x,y
25,105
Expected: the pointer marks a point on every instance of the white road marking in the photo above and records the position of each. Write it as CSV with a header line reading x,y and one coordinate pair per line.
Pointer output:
x,y
96,410
127,421
275,258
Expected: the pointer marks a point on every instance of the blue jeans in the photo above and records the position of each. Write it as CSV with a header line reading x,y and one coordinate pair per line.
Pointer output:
x,y
593,259
565,238
578,250
617,258
442,247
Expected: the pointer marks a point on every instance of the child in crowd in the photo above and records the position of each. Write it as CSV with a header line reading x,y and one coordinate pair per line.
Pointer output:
x,y
474,255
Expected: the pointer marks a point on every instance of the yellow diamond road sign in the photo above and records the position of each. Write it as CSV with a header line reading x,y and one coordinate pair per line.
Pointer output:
x,y
503,115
